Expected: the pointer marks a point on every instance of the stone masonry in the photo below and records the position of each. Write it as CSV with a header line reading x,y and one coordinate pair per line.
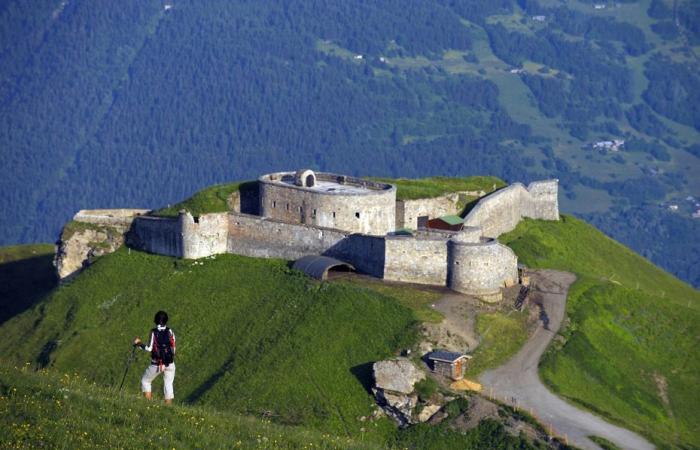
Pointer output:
x,y
351,219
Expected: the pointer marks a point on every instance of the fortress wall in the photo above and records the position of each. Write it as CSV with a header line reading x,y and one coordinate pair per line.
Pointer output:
x,y
120,218
160,235
205,237
501,211
544,202
294,204
366,253
260,237
416,260
481,269
408,211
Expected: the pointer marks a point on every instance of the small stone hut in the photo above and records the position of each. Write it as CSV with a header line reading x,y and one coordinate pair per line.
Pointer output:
x,y
449,364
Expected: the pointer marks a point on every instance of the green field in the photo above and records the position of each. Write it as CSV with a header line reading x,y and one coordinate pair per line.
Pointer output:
x,y
630,350
266,357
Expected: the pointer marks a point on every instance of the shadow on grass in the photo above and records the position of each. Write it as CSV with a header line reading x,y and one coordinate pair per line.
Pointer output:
x,y
23,283
363,373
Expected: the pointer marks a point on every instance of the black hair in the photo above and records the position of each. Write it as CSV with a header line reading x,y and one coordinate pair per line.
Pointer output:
x,y
161,318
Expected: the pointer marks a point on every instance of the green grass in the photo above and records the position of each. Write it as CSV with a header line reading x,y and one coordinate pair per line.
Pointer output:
x,y
418,300
409,189
502,335
630,350
254,335
26,275
604,443
212,199
255,339
49,410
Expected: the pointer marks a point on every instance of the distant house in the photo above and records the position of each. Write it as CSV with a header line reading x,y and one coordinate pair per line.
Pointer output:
x,y
450,223
449,364
539,18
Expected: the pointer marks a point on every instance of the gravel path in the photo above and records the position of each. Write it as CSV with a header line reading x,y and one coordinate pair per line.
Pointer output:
x,y
518,381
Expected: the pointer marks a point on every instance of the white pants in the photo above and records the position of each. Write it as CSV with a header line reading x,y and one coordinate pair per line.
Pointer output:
x,y
152,372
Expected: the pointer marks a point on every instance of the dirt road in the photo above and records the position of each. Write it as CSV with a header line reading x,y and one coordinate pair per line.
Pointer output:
x,y
518,381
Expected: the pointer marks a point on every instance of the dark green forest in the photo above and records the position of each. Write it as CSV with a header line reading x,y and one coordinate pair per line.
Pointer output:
x,y
141,103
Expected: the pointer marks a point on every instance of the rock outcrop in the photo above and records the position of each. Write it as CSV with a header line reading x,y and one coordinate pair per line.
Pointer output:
x,y
394,389
91,233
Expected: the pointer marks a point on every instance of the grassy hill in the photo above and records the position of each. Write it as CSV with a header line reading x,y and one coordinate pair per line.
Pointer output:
x,y
255,339
629,351
45,409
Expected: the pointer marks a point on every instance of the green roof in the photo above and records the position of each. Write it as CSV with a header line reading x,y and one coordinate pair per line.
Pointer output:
x,y
452,220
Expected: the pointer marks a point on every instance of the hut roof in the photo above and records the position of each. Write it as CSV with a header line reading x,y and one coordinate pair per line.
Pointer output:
x,y
452,220
445,356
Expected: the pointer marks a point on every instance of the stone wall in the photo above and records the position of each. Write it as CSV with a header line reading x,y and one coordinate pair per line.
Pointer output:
x,y
371,210
416,259
501,211
266,238
159,235
481,269
408,211
203,237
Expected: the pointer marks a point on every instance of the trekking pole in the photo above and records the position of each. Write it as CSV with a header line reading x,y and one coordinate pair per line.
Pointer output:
x,y
128,363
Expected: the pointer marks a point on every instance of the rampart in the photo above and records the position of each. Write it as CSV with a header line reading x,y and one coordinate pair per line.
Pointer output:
x,y
120,218
501,211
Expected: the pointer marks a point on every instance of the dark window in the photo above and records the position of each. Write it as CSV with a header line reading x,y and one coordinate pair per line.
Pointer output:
x,y
274,204
334,214
357,214
310,181
287,206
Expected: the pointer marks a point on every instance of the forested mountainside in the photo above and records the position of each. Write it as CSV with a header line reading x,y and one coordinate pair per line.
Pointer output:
x,y
141,103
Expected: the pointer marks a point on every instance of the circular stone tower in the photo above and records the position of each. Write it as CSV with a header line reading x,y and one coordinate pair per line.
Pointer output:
x,y
329,200
480,267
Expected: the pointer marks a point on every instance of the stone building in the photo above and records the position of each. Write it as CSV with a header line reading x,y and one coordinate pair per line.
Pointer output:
x,y
329,200
296,214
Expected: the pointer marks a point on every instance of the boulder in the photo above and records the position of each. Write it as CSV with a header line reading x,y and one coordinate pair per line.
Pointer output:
x,y
427,412
394,388
397,375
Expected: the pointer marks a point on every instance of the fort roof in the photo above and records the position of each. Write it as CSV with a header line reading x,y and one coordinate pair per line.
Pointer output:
x,y
326,183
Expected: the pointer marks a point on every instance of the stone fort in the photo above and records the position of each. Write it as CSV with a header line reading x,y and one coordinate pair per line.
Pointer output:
x,y
359,222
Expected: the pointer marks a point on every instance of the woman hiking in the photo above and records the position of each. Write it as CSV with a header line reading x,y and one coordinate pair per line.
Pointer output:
x,y
161,344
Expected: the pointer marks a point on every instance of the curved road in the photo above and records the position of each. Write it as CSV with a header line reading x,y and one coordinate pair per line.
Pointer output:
x,y
519,382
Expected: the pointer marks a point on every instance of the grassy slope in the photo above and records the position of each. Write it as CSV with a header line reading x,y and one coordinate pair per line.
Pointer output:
x,y
407,189
254,335
502,336
633,337
26,275
41,409
209,200
255,338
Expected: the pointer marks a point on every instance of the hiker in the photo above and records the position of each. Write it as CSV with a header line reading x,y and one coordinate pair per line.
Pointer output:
x,y
161,344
